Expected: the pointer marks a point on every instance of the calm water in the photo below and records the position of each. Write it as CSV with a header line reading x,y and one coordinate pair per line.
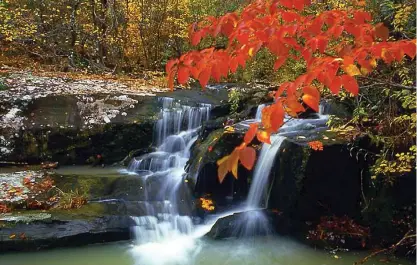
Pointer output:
x,y
189,251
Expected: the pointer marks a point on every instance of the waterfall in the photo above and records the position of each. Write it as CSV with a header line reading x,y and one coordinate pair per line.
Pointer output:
x,y
258,188
162,171
258,115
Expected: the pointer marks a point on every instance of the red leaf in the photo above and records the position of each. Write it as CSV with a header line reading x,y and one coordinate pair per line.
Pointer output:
x,y
227,29
196,37
171,77
250,134
204,77
322,44
183,74
290,16
307,54
361,17
381,31
298,4
247,157
170,64
233,64
335,85
410,49
336,31
286,3
277,116
350,84
215,73
279,62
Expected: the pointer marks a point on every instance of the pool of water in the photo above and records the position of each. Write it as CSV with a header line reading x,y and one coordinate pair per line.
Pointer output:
x,y
190,251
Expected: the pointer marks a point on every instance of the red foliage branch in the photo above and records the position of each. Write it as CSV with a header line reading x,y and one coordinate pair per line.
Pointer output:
x,y
336,45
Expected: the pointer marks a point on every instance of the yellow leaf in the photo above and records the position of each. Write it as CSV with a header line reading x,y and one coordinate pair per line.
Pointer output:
x,y
352,70
250,52
233,162
222,168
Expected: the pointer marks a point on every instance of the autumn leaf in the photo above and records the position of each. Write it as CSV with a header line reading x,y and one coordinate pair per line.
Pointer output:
x,y
196,37
183,74
311,101
250,134
381,31
350,84
263,136
222,168
335,85
247,157
233,162
279,62
204,77
352,70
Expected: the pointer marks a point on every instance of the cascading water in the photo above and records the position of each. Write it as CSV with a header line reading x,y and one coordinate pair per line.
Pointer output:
x,y
255,222
162,172
258,115
164,236
257,196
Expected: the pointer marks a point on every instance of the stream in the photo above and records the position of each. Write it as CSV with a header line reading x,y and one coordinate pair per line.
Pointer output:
x,y
188,251
166,234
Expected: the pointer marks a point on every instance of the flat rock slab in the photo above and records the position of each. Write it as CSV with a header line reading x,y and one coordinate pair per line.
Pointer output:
x,y
50,232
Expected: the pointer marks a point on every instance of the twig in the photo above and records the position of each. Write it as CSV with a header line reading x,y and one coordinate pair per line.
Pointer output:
x,y
393,247
384,83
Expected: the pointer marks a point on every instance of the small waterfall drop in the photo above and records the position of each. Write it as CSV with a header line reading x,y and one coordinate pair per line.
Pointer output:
x,y
257,196
258,115
162,172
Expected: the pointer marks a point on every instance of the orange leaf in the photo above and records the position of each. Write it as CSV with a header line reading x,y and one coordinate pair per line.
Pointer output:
x,y
183,74
222,168
263,136
311,91
247,157
233,162
250,134
311,101
350,84
352,70
277,116
204,77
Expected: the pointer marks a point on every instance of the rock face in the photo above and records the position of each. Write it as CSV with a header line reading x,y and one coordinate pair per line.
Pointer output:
x,y
77,121
50,233
309,184
113,200
248,224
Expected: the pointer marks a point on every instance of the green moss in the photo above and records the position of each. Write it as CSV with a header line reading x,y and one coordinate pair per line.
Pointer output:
x,y
87,186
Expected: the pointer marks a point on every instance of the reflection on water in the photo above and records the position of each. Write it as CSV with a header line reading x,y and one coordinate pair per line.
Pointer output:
x,y
188,250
